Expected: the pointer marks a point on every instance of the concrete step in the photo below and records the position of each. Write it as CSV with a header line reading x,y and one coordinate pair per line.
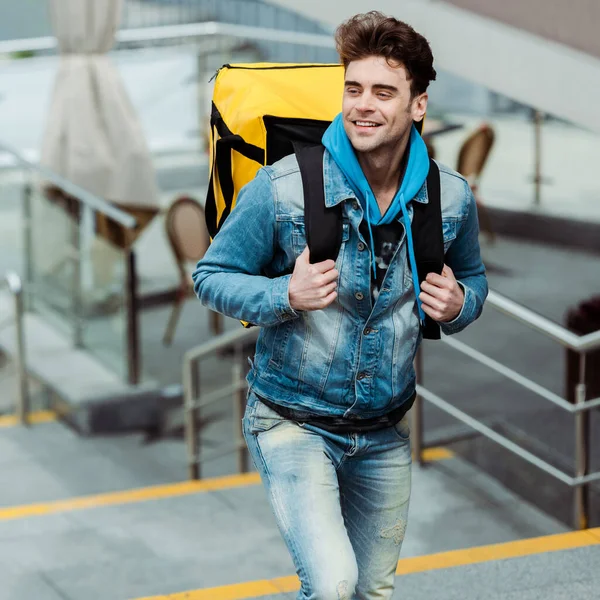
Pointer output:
x,y
70,501
542,226
88,395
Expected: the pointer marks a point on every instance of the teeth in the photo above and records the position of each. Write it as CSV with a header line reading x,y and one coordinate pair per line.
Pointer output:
x,y
366,124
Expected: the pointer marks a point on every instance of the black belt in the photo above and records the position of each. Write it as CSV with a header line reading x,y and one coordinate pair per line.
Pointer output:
x,y
337,424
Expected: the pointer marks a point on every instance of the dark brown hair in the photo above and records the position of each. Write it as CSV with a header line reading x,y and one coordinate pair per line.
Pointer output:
x,y
375,34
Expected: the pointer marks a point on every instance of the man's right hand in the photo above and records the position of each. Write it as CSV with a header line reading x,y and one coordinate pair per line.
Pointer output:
x,y
312,287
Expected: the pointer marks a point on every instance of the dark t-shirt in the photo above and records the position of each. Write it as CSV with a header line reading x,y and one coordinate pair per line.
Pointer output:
x,y
385,240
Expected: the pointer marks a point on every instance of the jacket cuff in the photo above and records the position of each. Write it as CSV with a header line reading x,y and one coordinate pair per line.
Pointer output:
x,y
281,300
464,317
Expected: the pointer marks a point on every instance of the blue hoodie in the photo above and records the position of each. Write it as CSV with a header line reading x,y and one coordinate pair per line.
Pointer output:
x,y
338,144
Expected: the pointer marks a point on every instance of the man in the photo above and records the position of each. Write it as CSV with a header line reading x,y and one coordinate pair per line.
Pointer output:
x,y
333,378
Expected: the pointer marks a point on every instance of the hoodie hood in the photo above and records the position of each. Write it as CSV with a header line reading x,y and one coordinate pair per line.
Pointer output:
x,y
337,142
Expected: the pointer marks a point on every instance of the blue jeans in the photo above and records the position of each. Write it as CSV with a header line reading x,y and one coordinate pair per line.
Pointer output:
x,y
340,501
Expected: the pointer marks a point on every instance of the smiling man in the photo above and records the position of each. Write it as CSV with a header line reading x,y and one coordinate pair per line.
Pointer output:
x,y
332,379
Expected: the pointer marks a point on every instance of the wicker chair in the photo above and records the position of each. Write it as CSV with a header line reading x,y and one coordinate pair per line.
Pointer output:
x,y
472,158
187,233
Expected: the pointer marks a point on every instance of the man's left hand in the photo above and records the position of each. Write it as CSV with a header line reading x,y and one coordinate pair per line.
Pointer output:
x,y
441,296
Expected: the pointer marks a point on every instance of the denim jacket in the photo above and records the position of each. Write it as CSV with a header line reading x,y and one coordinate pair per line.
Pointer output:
x,y
354,358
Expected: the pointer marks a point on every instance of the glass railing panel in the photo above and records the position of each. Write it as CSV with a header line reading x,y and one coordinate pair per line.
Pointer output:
x,y
78,274
51,257
104,283
11,231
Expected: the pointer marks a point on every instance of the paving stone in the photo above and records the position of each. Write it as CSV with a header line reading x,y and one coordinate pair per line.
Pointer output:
x,y
24,527
26,482
504,578
28,586
575,590
130,578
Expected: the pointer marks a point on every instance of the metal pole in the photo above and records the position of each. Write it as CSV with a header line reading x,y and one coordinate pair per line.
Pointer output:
x,y
131,300
27,236
191,386
20,364
203,106
417,413
76,288
582,451
239,404
537,176
216,323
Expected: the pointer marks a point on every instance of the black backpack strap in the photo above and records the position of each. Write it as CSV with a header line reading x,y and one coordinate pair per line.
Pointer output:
x,y
323,225
221,169
428,238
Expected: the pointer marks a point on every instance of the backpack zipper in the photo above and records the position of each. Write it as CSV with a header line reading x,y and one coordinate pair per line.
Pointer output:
x,y
307,66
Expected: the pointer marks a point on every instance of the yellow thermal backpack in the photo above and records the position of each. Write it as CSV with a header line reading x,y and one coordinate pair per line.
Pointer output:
x,y
258,110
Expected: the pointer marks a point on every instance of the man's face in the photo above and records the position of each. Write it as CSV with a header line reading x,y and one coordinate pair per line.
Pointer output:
x,y
377,108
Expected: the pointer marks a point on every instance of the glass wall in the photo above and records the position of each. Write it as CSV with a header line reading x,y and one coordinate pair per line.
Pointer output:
x,y
537,161
252,13
75,278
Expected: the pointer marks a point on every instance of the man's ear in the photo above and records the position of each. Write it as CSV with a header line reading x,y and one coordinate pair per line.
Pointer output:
x,y
419,107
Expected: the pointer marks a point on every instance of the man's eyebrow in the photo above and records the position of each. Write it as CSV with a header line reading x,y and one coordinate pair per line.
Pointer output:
x,y
379,86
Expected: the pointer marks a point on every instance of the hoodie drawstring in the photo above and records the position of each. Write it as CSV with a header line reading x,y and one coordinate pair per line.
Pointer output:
x,y
372,242
412,259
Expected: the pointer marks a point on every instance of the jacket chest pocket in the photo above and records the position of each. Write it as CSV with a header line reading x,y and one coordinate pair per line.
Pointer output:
x,y
299,236
450,228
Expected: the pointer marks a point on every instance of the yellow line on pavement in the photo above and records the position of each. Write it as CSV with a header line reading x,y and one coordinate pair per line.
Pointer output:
x,y
516,549
238,591
595,533
152,493
406,566
129,496
34,418
435,454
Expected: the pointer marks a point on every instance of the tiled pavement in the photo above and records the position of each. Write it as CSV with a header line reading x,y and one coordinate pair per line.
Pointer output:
x,y
171,538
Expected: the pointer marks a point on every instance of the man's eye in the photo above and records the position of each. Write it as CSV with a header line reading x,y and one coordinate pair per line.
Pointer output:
x,y
383,96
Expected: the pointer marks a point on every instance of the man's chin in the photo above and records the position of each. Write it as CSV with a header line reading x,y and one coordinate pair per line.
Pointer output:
x,y
363,145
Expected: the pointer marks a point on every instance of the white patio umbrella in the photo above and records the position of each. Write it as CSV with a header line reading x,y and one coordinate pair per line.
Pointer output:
x,y
93,137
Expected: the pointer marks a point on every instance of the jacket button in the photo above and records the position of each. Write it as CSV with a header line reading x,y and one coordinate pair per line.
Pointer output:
x,y
361,376
367,331
361,246
359,295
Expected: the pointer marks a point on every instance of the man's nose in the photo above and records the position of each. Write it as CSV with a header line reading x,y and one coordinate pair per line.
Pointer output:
x,y
365,103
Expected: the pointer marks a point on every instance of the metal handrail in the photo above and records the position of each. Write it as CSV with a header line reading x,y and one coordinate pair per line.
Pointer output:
x,y
580,344
236,340
166,33
535,321
531,385
493,435
84,197
221,342
14,284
